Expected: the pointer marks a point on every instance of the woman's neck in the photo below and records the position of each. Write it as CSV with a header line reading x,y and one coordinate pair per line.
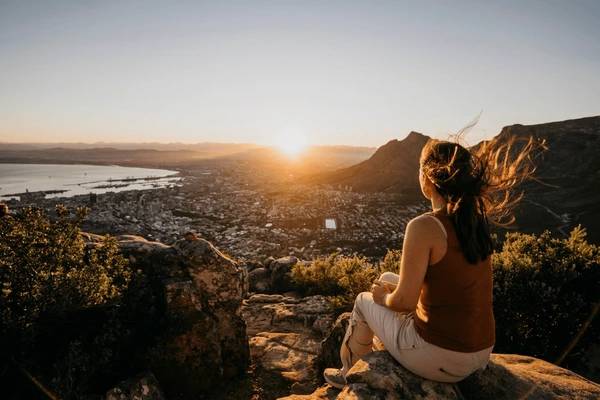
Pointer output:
x,y
438,203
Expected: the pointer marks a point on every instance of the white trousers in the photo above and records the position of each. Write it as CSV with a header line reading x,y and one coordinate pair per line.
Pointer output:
x,y
397,333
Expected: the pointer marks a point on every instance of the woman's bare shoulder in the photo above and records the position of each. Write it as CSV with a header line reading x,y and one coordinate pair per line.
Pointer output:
x,y
421,220
423,224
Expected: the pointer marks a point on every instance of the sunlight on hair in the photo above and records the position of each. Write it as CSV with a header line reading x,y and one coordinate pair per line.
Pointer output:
x,y
291,141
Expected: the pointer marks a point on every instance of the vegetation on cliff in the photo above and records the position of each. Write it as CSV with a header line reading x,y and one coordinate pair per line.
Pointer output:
x,y
546,295
341,278
63,307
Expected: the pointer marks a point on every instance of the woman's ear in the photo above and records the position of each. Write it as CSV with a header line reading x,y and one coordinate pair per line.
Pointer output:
x,y
426,186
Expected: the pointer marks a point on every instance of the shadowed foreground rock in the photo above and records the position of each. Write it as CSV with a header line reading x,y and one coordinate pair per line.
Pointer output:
x,y
200,293
329,352
274,277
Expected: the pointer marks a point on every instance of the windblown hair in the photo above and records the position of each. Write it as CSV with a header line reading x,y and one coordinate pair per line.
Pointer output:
x,y
477,185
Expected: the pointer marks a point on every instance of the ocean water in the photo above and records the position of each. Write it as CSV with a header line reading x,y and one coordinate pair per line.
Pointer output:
x,y
79,179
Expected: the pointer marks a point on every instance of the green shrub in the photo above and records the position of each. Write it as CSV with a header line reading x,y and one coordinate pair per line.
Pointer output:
x,y
545,293
341,279
46,271
59,300
391,262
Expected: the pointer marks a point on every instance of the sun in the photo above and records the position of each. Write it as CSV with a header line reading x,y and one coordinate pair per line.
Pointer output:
x,y
291,141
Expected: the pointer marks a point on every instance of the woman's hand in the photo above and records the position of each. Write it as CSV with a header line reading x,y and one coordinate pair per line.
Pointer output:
x,y
379,291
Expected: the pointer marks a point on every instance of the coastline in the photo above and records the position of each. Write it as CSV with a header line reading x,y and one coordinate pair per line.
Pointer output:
x,y
63,181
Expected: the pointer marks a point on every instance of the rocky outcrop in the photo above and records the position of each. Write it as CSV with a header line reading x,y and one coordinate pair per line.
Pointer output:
x,y
200,293
285,333
378,375
507,376
511,376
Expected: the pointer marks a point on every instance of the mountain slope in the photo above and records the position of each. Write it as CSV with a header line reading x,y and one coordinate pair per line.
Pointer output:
x,y
570,172
394,168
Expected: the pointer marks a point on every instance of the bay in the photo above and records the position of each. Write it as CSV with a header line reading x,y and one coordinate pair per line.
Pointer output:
x,y
72,180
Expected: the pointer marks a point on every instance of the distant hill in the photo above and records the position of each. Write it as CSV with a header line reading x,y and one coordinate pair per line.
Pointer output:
x,y
60,155
393,168
315,158
207,147
310,161
116,153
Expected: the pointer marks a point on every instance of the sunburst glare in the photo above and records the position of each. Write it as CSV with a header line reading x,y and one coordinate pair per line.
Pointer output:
x,y
291,141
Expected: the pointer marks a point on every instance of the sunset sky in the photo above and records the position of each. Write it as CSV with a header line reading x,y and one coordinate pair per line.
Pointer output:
x,y
339,72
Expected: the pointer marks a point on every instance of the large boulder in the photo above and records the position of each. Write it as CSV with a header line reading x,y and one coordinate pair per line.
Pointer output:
x,y
273,276
283,313
512,376
378,376
289,354
212,345
280,277
200,338
258,280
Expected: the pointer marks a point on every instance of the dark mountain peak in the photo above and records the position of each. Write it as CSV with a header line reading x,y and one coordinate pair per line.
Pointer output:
x,y
405,148
393,168
415,136
554,130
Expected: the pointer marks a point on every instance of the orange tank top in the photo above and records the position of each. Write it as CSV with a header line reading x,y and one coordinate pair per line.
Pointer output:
x,y
454,311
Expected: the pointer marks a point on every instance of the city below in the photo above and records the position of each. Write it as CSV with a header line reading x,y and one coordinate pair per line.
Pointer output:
x,y
250,211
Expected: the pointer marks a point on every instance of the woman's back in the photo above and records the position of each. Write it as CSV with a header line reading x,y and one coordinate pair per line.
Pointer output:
x,y
454,310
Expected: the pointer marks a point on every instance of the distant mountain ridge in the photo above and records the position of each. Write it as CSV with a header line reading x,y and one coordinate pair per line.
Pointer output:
x,y
569,168
314,158
204,147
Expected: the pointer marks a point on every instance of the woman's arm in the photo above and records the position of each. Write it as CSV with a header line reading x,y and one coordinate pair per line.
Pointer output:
x,y
418,244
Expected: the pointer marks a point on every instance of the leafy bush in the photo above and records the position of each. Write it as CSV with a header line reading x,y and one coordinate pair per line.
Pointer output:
x,y
546,292
391,262
46,272
59,299
339,278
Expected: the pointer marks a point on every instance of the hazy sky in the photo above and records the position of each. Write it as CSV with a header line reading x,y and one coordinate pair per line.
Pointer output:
x,y
341,72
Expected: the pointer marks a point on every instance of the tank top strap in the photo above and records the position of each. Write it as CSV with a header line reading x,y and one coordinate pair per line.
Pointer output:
x,y
438,222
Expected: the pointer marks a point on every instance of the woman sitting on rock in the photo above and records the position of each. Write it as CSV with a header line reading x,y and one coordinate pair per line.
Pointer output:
x,y
436,317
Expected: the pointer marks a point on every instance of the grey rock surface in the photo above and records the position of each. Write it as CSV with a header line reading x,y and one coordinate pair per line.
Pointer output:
x,y
285,333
